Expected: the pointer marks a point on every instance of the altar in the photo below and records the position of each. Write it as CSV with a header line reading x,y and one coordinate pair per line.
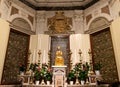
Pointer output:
x,y
59,76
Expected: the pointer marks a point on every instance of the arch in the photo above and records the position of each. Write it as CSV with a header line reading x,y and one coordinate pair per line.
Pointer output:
x,y
22,25
13,17
98,24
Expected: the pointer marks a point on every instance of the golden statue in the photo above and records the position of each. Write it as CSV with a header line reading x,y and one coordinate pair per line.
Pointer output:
x,y
59,60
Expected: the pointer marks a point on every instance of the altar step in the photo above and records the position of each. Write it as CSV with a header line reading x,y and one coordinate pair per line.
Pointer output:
x,y
10,86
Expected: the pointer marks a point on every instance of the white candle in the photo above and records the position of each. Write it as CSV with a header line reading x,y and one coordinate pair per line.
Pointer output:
x,y
39,42
75,56
34,56
44,57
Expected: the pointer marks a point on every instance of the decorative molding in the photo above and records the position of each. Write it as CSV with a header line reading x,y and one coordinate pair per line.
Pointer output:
x,y
98,24
56,8
8,3
14,10
105,9
88,18
111,2
31,18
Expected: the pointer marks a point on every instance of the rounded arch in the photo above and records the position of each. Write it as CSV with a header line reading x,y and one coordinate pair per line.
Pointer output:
x,y
98,23
16,16
19,22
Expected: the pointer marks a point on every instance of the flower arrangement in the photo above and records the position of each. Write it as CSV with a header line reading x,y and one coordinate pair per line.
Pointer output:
x,y
80,71
37,74
33,66
83,73
71,76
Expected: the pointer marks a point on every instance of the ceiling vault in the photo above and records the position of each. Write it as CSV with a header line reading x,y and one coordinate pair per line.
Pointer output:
x,y
59,4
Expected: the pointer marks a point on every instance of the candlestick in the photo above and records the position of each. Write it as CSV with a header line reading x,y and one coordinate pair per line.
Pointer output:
x,y
91,64
80,52
39,53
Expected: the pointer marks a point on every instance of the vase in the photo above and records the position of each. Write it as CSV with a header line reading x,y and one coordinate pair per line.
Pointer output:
x,y
97,72
71,82
21,73
82,82
36,82
48,82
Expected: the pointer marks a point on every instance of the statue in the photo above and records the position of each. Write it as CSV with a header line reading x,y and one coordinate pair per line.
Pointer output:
x,y
59,60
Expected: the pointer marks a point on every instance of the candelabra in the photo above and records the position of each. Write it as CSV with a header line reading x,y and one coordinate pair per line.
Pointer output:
x,y
80,52
28,62
91,64
69,57
39,53
49,54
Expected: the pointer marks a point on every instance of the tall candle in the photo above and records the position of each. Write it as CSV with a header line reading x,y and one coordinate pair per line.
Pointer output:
x,y
34,56
39,42
44,57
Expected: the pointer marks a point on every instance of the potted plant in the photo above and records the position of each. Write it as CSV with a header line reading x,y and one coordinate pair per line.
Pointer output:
x,y
37,76
22,69
33,66
82,76
48,78
97,67
71,77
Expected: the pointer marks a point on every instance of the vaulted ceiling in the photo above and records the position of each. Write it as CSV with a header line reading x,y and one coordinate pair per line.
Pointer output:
x,y
59,4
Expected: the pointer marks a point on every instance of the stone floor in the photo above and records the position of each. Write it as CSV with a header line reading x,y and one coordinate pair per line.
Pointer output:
x,y
10,86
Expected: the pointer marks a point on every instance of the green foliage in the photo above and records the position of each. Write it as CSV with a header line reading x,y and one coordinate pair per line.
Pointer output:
x,y
22,68
80,70
33,66
83,75
97,66
37,75
48,76
71,76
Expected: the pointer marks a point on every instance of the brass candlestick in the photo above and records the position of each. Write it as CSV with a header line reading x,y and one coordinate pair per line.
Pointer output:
x,y
39,54
91,64
80,52
69,57
28,62
49,54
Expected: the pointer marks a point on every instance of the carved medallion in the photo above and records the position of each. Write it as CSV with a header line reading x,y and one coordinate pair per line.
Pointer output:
x,y
59,24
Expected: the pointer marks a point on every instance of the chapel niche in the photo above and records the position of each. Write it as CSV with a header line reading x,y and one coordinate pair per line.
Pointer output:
x,y
59,29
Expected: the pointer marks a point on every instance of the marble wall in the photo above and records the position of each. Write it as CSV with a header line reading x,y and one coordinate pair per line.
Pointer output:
x,y
103,52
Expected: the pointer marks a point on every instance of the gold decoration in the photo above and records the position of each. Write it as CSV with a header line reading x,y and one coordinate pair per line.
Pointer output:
x,y
28,62
69,56
39,53
59,24
80,52
91,64
49,53
59,61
